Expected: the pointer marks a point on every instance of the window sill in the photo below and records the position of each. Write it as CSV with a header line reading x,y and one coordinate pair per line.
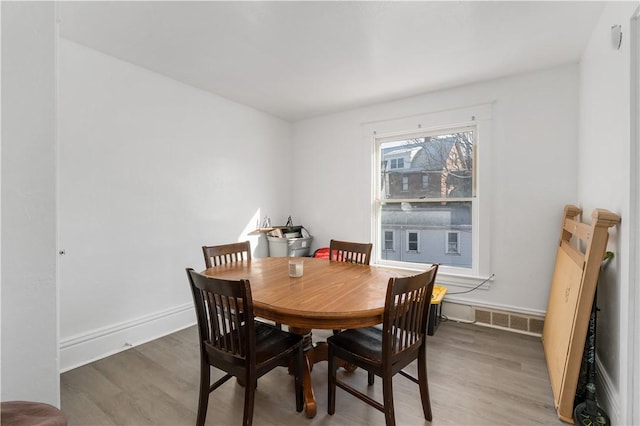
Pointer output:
x,y
464,281
451,279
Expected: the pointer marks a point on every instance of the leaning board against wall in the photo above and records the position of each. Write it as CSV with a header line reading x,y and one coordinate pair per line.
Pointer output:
x,y
580,252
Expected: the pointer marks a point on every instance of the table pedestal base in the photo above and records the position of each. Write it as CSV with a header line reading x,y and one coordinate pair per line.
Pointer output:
x,y
313,353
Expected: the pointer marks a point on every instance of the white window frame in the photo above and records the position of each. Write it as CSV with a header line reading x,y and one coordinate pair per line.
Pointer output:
x,y
408,248
480,117
425,181
394,163
405,183
384,241
447,250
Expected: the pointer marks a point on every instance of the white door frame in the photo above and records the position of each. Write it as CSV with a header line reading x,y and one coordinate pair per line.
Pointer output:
x,y
631,414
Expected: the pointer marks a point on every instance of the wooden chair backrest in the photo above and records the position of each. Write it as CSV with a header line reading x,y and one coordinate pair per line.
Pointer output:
x,y
224,310
226,253
345,251
406,313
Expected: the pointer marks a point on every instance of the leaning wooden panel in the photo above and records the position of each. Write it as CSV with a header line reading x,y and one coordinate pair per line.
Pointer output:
x,y
580,252
563,301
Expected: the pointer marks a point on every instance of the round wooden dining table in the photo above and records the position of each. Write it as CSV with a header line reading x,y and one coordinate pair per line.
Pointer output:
x,y
329,295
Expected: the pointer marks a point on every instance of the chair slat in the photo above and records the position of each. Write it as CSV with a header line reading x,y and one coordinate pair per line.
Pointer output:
x,y
350,252
345,251
226,253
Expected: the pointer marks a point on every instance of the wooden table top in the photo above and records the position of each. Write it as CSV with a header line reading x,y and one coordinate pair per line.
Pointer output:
x,y
330,295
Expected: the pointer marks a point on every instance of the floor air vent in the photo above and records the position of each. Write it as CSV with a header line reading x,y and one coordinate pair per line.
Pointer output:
x,y
530,324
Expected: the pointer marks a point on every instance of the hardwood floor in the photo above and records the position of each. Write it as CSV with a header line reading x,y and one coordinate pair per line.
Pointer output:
x,y
477,376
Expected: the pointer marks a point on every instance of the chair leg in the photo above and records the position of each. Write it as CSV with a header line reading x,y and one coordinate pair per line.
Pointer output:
x,y
370,378
298,378
387,396
203,398
249,401
331,385
424,385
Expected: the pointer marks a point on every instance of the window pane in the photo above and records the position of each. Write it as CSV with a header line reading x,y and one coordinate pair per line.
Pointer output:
x,y
432,177
429,223
439,166
412,241
452,243
388,240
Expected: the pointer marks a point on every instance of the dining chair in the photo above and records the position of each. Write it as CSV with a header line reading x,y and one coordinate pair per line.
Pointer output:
x,y
245,349
226,253
345,251
385,352
350,252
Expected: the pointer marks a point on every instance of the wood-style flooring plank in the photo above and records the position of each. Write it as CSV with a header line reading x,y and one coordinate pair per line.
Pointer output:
x,y
477,376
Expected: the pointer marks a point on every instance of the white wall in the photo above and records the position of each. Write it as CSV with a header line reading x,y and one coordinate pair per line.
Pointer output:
x,y
29,295
151,170
604,182
533,175
129,227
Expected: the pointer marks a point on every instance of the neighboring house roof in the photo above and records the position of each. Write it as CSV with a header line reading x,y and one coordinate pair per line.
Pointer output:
x,y
429,156
402,151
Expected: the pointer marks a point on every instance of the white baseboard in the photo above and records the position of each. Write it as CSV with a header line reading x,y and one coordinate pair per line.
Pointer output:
x,y
83,349
606,394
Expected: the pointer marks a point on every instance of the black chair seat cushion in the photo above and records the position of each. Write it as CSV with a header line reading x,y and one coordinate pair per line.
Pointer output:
x,y
364,343
272,341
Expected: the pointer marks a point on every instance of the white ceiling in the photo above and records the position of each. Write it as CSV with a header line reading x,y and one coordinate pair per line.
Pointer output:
x,y
299,59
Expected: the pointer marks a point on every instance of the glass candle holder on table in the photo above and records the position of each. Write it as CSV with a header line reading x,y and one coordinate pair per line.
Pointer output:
x,y
296,268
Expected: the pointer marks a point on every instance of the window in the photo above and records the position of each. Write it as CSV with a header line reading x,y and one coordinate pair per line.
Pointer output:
x,y
446,191
388,240
452,242
412,241
431,199
396,163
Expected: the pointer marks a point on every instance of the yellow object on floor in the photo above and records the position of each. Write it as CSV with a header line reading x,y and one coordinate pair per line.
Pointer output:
x,y
438,294
436,311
